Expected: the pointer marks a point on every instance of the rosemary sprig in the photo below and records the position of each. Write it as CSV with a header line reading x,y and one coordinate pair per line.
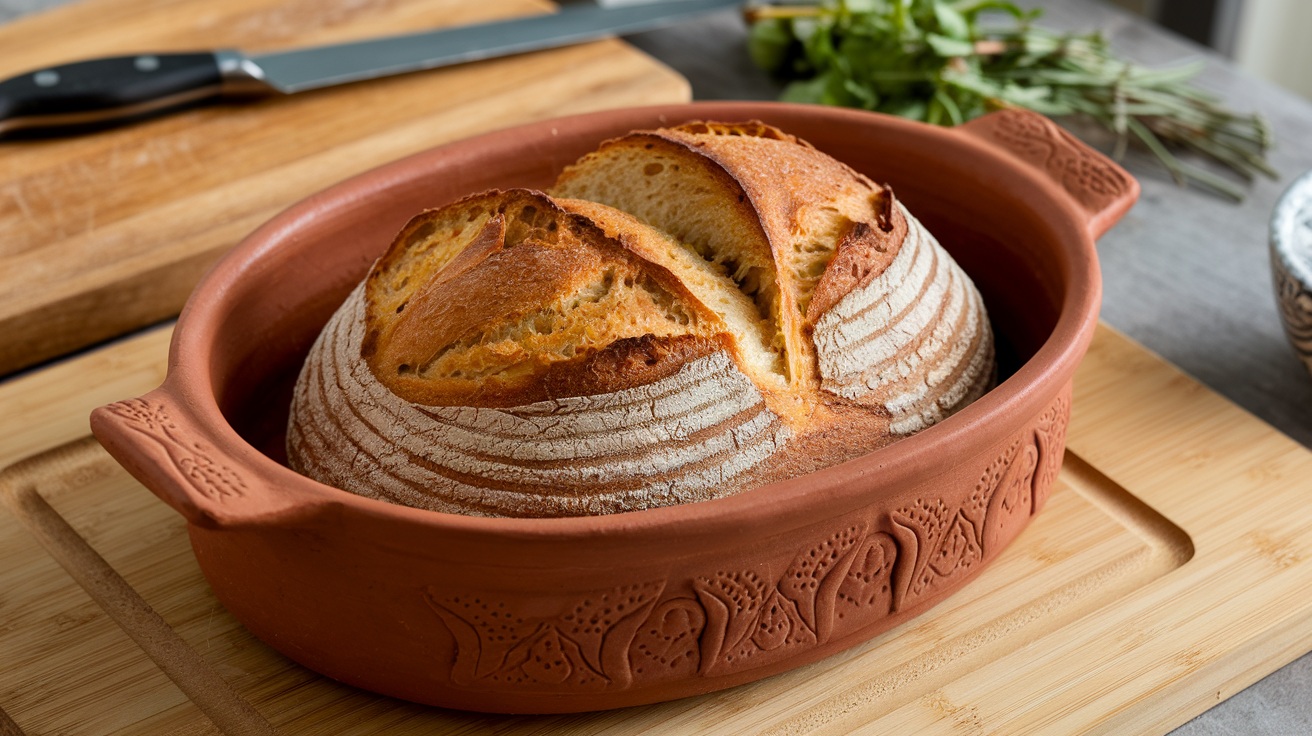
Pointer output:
x,y
933,60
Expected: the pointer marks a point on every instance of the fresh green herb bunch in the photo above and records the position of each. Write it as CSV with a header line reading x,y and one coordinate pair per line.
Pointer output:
x,y
932,60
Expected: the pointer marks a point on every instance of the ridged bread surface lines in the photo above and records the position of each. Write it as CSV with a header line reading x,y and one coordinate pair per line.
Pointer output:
x,y
675,440
913,340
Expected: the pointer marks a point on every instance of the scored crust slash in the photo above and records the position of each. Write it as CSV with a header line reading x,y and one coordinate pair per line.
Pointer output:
x,y
691,312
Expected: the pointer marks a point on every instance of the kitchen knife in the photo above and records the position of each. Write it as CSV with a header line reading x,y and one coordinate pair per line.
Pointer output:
x,y
100,92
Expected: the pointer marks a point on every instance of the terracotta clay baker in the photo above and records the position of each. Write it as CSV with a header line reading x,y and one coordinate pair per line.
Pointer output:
x,y
555,615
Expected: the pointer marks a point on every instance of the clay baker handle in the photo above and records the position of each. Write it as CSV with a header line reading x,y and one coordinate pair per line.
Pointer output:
x,y
174,454
1102,190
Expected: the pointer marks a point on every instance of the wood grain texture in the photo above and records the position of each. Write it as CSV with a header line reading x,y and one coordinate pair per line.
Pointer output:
x,y
1170,565
105,233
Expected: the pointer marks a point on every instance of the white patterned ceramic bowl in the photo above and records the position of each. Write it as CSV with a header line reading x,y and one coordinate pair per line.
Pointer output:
x,y
1291,264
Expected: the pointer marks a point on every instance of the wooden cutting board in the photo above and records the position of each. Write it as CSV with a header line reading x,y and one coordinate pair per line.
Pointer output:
x,y
105,233
1171,568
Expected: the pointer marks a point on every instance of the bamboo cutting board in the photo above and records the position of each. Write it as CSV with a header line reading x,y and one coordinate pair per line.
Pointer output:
x,y
1171,568
105,233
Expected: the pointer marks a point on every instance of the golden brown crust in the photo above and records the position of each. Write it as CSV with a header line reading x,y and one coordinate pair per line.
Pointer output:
x,y
836,433
802,206
536,290
863,252
684,150
749,129
624,364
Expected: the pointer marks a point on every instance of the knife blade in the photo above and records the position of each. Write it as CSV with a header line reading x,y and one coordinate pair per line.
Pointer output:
x,y
107,91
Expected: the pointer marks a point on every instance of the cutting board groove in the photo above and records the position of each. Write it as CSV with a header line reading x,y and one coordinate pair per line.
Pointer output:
x,y
80,463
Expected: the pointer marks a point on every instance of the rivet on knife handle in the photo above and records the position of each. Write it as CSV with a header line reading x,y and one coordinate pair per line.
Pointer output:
x,y
98,92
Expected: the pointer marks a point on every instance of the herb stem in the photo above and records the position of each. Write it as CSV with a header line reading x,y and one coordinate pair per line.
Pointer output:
x,y
932,60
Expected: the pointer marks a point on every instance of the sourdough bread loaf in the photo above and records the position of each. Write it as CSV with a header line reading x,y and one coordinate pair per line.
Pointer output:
x,y
691,312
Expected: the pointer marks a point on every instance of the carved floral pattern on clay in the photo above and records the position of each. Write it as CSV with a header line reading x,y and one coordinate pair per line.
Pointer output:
x,y
740,620
829,589
1050,438
667,645
583,649
745,619
865,593
192,460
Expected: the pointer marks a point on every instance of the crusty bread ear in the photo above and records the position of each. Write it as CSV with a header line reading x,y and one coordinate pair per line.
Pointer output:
x,y
767,209
528,288
654,177
751,336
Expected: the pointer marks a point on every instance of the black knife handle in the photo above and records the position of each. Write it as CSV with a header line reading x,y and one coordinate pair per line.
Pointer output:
x,y
101,92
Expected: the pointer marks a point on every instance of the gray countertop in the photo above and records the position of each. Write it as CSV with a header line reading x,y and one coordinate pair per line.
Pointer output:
x,y
1186,274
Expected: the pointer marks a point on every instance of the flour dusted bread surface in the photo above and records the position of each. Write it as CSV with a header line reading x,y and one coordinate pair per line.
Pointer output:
x,y
690,313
